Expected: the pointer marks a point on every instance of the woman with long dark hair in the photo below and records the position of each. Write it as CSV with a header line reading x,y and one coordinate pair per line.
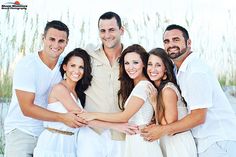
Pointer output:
x,y
133,100
58,139
169,105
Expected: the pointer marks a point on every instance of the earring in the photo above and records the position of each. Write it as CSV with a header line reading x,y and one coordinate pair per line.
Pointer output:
x,y
64,76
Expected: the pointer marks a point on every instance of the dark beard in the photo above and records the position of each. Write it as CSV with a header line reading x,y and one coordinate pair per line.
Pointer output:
x,y
177,55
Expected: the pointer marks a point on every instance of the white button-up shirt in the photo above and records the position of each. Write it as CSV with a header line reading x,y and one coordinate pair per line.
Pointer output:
x,y
201,89
102,96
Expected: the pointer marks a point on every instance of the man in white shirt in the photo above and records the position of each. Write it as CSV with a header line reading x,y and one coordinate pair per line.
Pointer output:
x,y
211,117
33,78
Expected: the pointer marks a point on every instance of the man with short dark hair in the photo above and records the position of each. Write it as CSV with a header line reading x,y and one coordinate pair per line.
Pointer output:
x,y
211,117
101,96
33,78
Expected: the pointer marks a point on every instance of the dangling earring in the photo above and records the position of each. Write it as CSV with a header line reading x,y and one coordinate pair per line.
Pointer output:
x,y
64,76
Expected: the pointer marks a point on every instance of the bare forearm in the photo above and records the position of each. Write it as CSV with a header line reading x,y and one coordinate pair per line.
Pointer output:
x,y
111,117
100,124
29,109
190,121
70,119
126,128
180,126
40,113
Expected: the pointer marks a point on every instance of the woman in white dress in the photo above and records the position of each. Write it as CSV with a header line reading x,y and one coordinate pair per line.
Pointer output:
x,y
169,105
58,140
133,100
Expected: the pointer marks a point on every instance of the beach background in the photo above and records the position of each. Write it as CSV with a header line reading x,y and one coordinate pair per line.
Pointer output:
x,y
211,25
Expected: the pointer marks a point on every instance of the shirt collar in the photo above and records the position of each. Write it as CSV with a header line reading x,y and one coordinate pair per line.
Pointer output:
x,y
186,62
101,47
103,52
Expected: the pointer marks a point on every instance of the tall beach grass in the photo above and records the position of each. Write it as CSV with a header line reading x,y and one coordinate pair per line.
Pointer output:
x,y
219,52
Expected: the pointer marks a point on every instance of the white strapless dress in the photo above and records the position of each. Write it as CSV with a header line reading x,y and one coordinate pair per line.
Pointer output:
x,y
53,144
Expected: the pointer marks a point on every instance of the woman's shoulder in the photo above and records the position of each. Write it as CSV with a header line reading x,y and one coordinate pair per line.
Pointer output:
x,y
170,85
59,88
141,87
171,89
168,89
58,92
144,83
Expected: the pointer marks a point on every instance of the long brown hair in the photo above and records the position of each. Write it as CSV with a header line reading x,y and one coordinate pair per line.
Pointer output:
x,y
126,83
170,77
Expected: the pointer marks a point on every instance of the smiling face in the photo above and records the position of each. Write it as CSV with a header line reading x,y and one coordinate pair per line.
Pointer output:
x,y
155,69
175,45
134,66
54,42
74,69
110,33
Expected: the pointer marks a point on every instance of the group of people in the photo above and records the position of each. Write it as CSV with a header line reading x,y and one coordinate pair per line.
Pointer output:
x,y
117,101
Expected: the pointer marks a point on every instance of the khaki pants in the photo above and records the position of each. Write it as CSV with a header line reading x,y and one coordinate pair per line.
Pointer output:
x,y
19,144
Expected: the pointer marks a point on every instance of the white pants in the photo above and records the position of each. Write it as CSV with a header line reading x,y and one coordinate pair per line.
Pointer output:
x,y
220,149
19,144
91,144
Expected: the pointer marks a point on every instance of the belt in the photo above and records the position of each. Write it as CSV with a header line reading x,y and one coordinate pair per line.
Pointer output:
x,y
60,131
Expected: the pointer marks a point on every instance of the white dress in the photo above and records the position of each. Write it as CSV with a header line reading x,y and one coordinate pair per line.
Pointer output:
x,y
181,144
135,145
53,144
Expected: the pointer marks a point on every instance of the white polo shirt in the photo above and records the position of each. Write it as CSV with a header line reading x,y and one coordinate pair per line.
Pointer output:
x,y
201,89
30,75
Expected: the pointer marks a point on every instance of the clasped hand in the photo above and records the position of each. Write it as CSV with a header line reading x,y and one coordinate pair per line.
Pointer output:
x,y
151,132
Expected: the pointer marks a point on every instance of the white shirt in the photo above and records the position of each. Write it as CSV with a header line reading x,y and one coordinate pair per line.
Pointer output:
x,y
144,115
30,75
201,89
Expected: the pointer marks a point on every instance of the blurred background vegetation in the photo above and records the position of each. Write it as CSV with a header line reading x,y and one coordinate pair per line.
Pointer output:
x,y
20,34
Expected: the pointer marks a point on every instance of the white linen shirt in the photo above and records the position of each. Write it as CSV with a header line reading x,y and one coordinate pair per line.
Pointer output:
x,y
201,89
31,75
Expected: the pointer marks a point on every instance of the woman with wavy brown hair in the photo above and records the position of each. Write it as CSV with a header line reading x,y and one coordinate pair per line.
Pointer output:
x,y
133,100
169,104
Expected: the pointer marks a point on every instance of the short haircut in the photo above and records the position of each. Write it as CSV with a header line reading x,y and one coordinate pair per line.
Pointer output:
x,y
56,25
109,15
182,29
